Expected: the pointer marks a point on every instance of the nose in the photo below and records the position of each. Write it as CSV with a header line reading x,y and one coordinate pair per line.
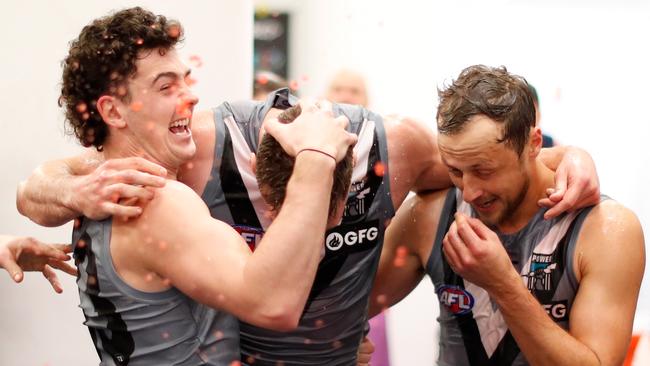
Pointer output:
x,y
471,190
189,98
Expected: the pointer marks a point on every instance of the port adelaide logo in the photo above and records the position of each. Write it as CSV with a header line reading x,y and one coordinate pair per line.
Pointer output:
x,y
540,275
456,299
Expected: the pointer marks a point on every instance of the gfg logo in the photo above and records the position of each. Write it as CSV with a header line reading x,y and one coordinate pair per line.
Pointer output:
x,y
557,310
335,241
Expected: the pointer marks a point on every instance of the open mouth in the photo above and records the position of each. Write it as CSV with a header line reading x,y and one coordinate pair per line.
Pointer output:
x,y
180,127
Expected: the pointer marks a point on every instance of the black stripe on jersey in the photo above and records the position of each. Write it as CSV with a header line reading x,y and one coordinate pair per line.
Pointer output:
x,y
117,341
372,182
235,192
469,329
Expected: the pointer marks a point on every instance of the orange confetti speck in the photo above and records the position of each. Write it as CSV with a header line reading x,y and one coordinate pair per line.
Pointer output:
x,y
218,335
85,116
148,277
81,243
262,79
77,223
167,282
196,61
307,341
136,106
337,344
92,280
139,41
174,31
319,323
165,335
81,107
121,90
162,245
380,169
190,81
381,299
150,125
189,165
402,251
293,85
237,363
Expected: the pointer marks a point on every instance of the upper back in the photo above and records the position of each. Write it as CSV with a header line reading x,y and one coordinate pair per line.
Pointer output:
x,y
334,318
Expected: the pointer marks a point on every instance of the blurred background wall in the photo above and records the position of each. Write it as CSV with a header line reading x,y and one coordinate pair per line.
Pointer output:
x,y
587,59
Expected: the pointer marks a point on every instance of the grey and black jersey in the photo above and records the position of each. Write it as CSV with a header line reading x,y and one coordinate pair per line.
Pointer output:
x,y
333,321
472,329
132,327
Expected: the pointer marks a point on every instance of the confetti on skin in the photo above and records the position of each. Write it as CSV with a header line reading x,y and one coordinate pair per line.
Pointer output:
x,y
196,61
162,245
380,169
381,299
167,282
183,108
400,256
150,125
190,81
189,165
148,277
136,106
293,85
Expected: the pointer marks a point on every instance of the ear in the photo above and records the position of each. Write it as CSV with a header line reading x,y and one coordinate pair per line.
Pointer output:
x,y
108,108
253,163
535,141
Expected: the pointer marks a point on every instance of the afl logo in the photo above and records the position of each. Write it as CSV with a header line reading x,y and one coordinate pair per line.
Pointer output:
x,y
457,300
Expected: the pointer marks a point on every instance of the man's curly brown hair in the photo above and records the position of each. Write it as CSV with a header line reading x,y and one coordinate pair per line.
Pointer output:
x,y
102,59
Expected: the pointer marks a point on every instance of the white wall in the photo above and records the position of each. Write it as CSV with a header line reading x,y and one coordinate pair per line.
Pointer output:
x,y
38,327
588,59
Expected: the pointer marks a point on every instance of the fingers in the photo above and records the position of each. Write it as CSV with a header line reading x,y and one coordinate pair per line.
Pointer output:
x,y
116,209
460,249
568,202
50,275
365,352
136,163
133,177
123,191
13,269
54,251
64,267
465,231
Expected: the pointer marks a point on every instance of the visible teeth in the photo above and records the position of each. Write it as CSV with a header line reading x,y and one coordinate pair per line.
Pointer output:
x,y
182,122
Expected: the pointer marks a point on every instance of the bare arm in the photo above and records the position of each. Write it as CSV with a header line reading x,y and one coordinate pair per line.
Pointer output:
x,y
60,190
407,246
413,158
610,265
210,262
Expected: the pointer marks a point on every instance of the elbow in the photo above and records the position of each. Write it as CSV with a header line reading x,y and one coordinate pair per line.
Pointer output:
x,y
282,319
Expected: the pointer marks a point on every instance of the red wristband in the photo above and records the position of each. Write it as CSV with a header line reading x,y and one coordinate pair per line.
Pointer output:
x,y
318,151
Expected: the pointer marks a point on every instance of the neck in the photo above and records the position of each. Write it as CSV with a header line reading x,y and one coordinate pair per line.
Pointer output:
x,y
122,147
541,178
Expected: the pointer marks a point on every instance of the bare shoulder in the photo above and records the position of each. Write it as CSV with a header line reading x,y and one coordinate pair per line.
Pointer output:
x,y
610,233
175,197
401,127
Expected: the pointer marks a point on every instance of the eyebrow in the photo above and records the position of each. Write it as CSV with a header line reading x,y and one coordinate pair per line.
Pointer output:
x,y
170,74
